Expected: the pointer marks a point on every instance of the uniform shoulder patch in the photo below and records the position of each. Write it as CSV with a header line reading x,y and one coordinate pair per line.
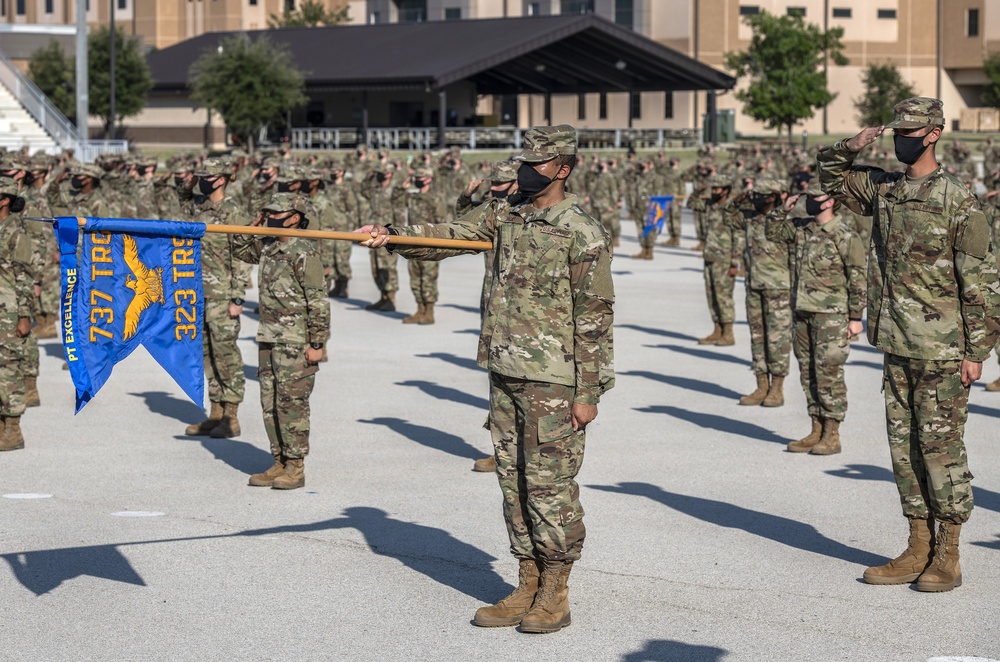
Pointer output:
x,y
975,239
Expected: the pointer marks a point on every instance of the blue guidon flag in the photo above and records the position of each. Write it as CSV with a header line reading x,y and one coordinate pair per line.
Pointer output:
x,y
128,283
656,213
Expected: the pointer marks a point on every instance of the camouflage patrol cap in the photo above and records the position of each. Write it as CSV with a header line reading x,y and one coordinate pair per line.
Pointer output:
x,y
503,171
769,185
814,191
13,164
542,143
8,187
146,161
917,112
721,181
288,202
88,170
214,167
423,172
292,174
384,168
273,162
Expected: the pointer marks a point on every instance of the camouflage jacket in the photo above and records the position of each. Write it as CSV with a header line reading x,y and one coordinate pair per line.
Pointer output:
x,y
932,273
549,310
767,262
604,195
64,201
223,275
168,201
143,195
421,208
723,243
294,308
16,285
342,212
44,246
829,263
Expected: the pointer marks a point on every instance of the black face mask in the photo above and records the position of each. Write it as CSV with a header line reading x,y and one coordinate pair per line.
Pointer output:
x,y
420,183
530,182
16,205
499,194
273,222
206,187
76,183
715,198
814,207
909,148
514,199
380,177
178,180
761,203
284,187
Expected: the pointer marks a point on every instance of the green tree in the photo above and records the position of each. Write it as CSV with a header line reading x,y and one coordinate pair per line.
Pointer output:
x,y
991,96
783,69
55,76
310,14
251,83
133,80
884,87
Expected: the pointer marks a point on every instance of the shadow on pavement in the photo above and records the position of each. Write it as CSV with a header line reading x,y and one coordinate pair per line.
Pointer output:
x,y
702,354
465,309
432,552
792,533
460,361
447,393
250,373
984,411
666,650
240,455
866,364
686,383
430,437
982,498
714,422
470,332
993,544
656,332
165,404
53,349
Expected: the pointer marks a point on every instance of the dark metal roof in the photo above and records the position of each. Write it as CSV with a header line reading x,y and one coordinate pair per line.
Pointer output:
x,y
557,54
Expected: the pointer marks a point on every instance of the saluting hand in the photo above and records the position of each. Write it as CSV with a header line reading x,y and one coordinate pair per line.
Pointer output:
x,y
865,138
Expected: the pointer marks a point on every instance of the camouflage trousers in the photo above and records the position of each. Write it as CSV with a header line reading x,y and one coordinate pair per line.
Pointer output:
x,y
699,226
384,270
29,356
484,296
11,378
223,360
649,239
674,219
286,382
424,280
340,263
538,456
821,348
719,292
926,406
769,314
611,220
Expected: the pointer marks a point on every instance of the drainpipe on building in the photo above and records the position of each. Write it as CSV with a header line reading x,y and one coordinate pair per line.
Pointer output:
x,y
82,96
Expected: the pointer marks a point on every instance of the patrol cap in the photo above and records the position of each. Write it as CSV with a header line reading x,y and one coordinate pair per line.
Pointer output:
x,y
292,174
281,202
503,171
542,143
721,181
423,172
769,185
814,191
88,170
384,168
13,164
8,187
214,167
917,112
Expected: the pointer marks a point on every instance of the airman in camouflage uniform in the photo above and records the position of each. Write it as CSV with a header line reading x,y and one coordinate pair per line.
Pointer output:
x,y
673,184
340,215
47,303
223,279
378,194
546,341
423,206
828,300
768,284
638,188
294,326
605,202
723,246
932,308
16,298
141,190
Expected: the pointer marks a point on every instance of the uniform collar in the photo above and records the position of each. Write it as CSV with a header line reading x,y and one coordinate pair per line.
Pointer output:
x,y
529,213
901,190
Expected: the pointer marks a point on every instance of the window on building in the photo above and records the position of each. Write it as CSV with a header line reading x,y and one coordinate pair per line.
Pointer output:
x,y
668,106
253,3
581,106
452,13
578,6
532,9
841,12
625,13
3,7
887,13
749,10
21,9
635,105
412,11
972,23
375,17
289,5
602,106
49,6
122,4
796,11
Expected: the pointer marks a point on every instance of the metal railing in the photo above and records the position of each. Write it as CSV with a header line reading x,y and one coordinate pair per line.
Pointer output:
x,y
482,138
53,122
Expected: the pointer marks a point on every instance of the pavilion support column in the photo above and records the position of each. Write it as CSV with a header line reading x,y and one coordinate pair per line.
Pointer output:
x,y
548,109
364,119
710,118
442,116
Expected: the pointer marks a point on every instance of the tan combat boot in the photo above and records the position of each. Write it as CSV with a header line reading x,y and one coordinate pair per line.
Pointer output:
x,y
415,317
11,438
641,255
994,385
31,397
229,426
616,242
727,337
511,609
266,479
757,397
829,443
485,465
209,424
700,246
550,613
712,337
428,317
775,395
294,476
944,572
909,565
805,443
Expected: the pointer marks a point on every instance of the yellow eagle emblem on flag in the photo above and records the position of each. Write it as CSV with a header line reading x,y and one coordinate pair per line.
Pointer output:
x,y
147,285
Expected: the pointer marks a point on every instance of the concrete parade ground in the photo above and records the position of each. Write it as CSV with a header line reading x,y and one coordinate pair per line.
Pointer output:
x,y
706,540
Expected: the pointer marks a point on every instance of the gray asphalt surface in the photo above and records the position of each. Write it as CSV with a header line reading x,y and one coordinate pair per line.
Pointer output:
x,y
706,541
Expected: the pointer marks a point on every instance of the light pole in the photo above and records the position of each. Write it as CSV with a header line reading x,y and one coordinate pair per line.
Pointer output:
x,y
111,105
82,97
